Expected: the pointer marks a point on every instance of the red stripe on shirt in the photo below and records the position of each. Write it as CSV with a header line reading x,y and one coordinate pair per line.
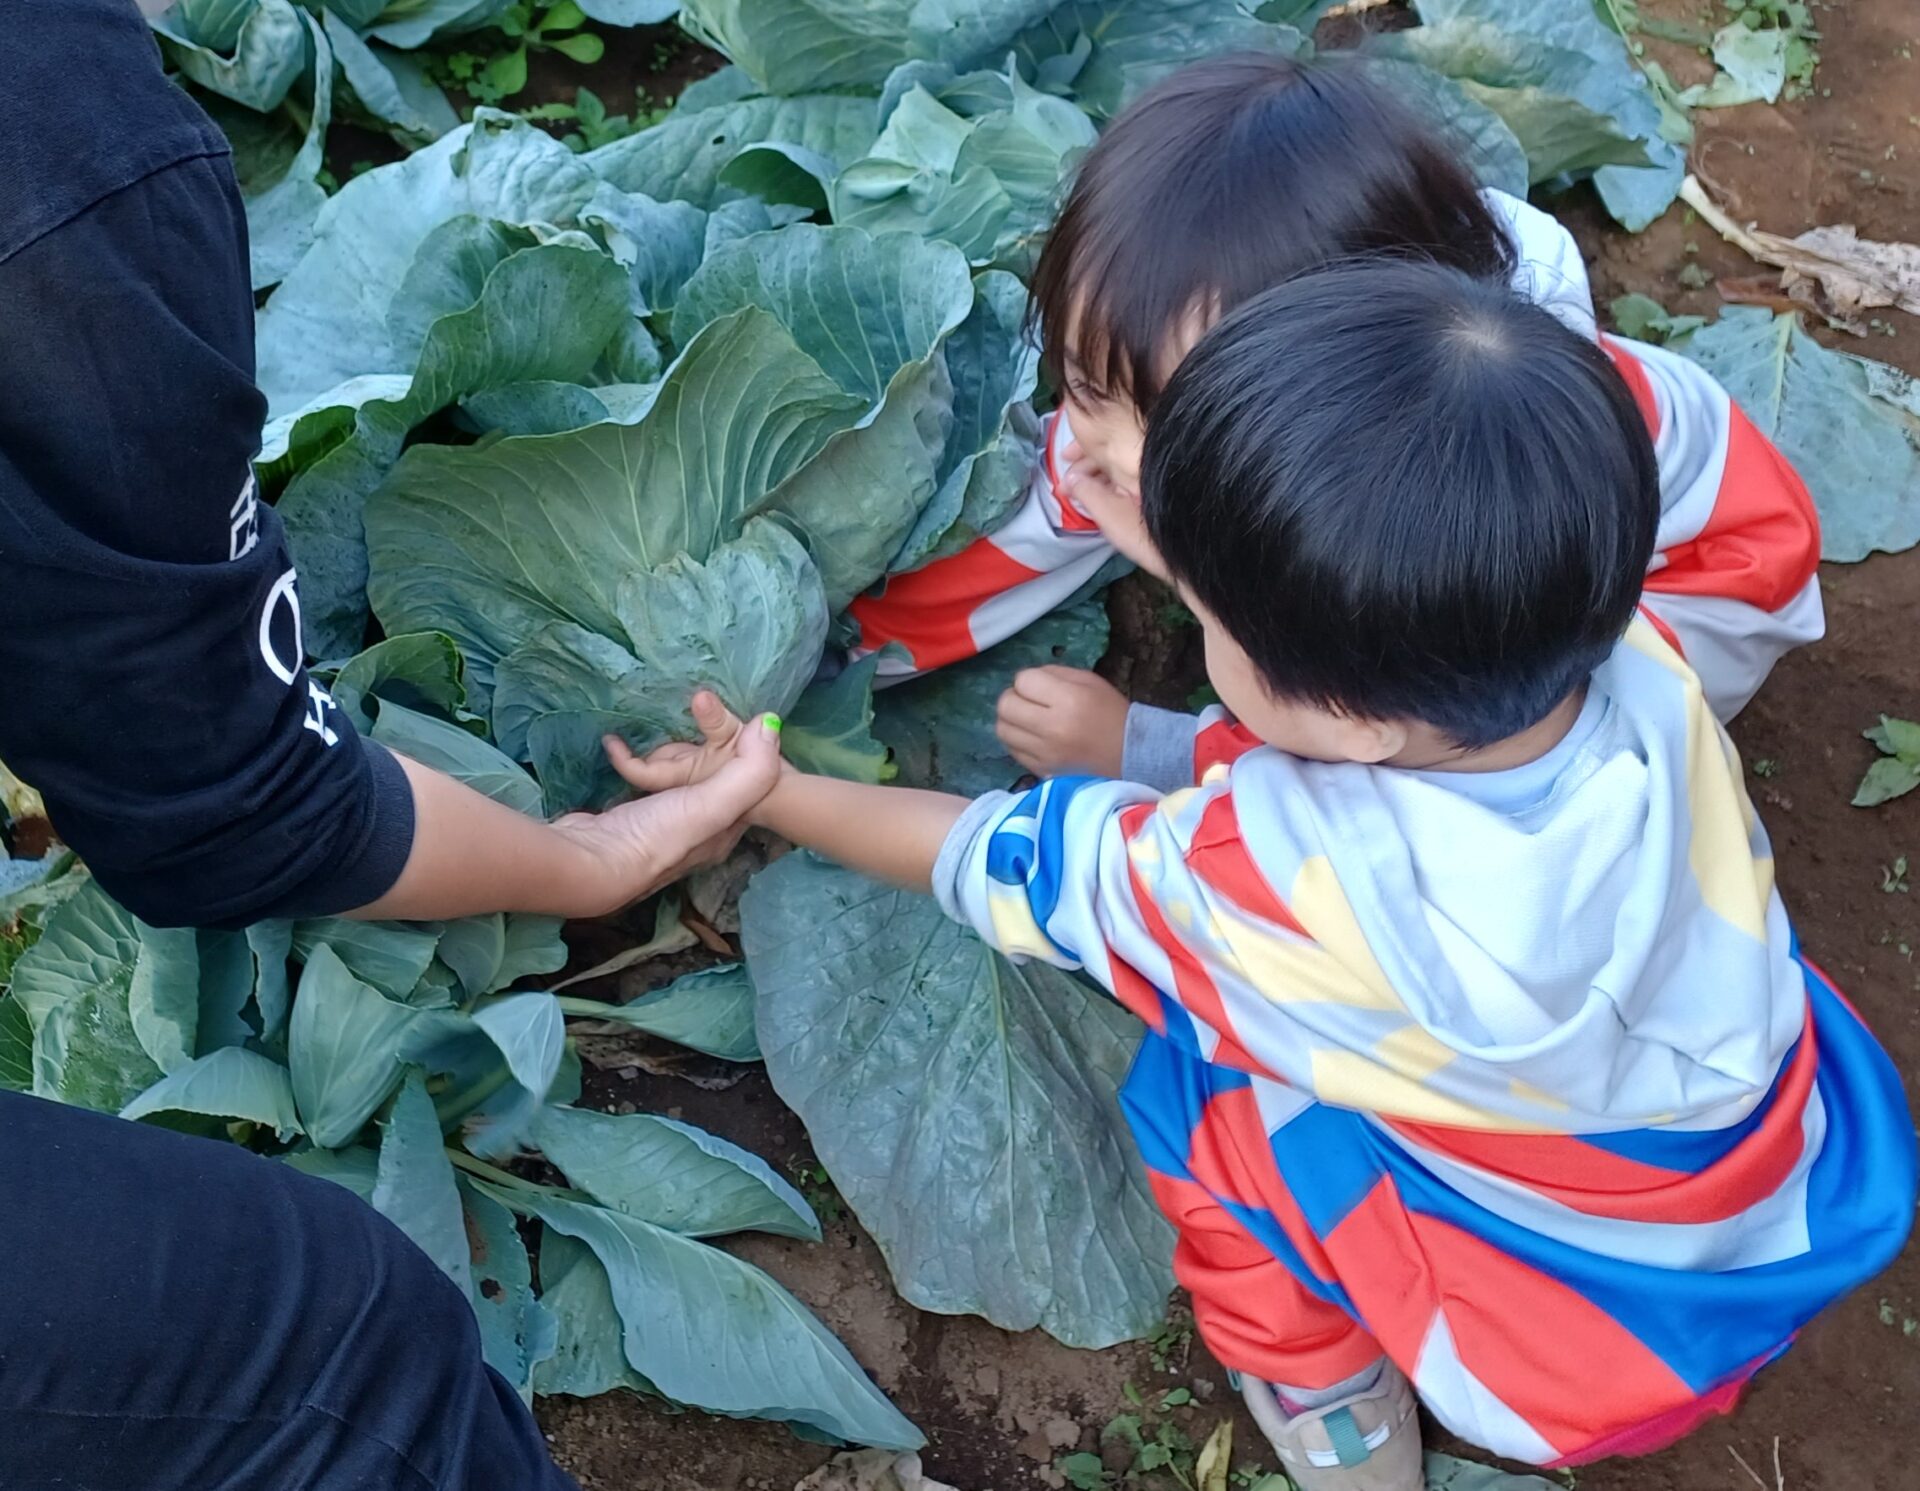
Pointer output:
x,y
929,611
1196,992
1762,542
1599,1183
1218,855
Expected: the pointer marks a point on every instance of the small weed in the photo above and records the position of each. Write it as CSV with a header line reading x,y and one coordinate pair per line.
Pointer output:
x,y
1909,1327
818,1189
1893,877
1172,1344
500,70
595,126
1766,768
1083,1471
1176,1397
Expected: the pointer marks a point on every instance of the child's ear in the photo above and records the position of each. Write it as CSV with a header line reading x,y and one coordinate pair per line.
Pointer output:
x,y
1374,741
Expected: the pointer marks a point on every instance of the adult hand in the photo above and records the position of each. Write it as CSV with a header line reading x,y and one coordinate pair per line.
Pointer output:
x,y
1055,721
472,855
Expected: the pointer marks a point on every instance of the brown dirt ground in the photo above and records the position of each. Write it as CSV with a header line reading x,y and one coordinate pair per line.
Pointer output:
x,y
1840,1408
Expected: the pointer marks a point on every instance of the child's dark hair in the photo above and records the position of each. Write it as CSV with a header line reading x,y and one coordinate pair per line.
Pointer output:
x,y
1221,181
1407,494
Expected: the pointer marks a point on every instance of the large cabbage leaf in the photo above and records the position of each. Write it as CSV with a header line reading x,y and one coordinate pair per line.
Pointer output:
x,y
490,543
964,1105
329,321
1850,427
707,1329
681,158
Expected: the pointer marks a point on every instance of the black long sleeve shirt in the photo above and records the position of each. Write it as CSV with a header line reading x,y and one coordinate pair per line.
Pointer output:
x,y
152,679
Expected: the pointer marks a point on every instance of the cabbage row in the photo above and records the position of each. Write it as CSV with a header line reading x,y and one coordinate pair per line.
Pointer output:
x,y
574,434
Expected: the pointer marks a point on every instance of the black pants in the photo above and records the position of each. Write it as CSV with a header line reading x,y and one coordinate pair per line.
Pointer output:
x,y
178,1315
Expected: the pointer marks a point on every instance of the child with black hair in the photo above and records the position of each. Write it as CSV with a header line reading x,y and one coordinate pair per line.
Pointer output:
x,y
1227,178
1481,1059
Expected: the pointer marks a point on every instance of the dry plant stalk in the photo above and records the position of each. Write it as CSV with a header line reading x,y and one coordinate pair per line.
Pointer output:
x,y
1855,274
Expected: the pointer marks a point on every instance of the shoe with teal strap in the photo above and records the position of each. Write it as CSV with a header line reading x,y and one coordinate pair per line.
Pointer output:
x,y
1367,1441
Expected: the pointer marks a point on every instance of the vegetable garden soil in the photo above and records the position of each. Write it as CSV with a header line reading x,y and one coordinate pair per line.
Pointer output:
x,y
1840,1409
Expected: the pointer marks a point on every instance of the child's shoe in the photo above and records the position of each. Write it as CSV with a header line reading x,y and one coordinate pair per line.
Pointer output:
x,y
1366,1441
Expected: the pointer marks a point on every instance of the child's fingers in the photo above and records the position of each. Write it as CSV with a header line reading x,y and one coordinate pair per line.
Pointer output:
x,y
657,770
717,723
1019,713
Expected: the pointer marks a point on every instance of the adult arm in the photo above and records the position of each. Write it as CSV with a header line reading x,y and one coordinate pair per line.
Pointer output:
x,y
149,617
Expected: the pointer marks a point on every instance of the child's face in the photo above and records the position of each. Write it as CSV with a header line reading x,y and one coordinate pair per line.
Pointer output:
x,y
1305,730
1104,477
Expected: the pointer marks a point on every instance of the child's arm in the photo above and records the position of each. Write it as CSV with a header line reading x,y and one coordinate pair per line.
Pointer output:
x,y
956,607
891,833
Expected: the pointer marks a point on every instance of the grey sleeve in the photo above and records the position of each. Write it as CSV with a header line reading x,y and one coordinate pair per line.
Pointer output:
x,y
1158,750
952,860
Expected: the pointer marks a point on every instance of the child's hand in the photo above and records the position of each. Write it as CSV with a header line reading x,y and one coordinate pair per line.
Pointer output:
x,y
1056,720
1114,507
728,744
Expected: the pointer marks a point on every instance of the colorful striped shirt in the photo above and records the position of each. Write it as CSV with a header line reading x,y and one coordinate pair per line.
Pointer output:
x,y
1518,1073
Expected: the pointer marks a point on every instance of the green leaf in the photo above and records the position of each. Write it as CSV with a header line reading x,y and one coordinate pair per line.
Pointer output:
x,y
453,545
1561,104
714,1332
682,156
547,311
671,1174
587,48
474,948
280,217
861,306
1446,1473
460,754
421,670
1858,451
791,46
1753,68
530,1033
1897,738
344,1044
16,1046
228,980
410,23
73,984
589,1358
1481,137
414,1187
631,12
534,946
1886,779
941,726
710,1011
749,623
1083,1470
829,730
272,947
391,956
1646,320
229,1083
251,52
163,997
544,407
517,1331
328,322
966,1107
660,243
391,87
775,171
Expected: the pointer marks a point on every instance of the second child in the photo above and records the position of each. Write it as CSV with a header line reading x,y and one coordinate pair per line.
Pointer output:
x,y
1227,178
